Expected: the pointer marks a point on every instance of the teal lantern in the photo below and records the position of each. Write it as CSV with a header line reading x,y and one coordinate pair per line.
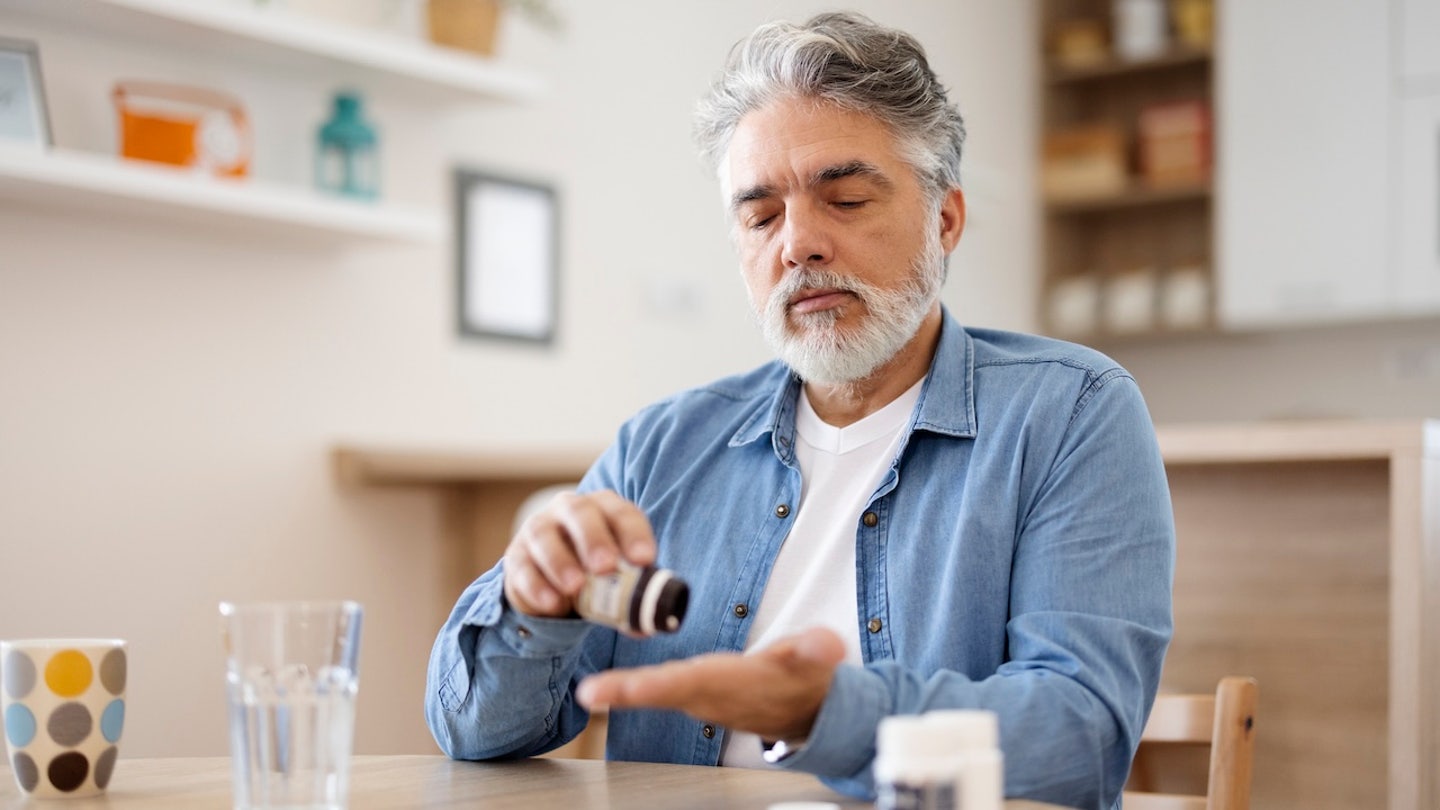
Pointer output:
x,y
348,157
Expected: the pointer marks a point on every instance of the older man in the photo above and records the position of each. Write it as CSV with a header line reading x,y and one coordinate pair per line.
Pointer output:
x,y
900,514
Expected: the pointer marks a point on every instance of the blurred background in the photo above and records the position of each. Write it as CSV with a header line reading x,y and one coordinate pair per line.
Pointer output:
x,y
1236,213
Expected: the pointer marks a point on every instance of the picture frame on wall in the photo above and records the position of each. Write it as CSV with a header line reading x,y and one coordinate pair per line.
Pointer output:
x,y
24,117
508,257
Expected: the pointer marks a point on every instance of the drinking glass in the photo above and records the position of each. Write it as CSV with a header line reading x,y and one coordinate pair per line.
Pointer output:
x,y
292,673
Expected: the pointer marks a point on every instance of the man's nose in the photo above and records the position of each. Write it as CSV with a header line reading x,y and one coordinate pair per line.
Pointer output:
x,y
806,238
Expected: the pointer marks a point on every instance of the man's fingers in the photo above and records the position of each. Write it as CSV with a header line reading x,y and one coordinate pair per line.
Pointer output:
x,y
656,687
528,591
816,646
820,645
587,528
693,683
602,527
629,526
757,693
672,685
547,550
547,561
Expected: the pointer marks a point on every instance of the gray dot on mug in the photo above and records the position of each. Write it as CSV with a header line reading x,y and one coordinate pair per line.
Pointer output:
x,y
105,766
68,771
19,674
25,772
69,724
112,671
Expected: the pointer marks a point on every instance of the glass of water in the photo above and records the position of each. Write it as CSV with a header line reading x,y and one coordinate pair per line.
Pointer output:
x,y
292,672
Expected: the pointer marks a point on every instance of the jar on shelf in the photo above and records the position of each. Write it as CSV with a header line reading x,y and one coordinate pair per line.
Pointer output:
x,y
347,160
1141,29
1194,22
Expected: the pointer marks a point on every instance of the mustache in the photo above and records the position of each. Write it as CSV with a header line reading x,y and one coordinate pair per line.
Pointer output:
x,y
805,278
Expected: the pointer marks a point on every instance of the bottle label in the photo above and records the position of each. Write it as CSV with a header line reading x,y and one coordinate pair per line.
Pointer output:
x,y
606,598
915,796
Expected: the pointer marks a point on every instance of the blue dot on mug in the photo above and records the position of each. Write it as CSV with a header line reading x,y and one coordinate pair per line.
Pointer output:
x,y
19,725
112,721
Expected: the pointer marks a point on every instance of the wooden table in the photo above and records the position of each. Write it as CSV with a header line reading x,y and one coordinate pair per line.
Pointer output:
x,y
421,782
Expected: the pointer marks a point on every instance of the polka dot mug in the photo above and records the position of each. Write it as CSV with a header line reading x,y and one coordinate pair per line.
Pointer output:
x,y
63,702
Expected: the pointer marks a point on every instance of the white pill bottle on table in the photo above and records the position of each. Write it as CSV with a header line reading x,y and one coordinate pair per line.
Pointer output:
x,y
941,760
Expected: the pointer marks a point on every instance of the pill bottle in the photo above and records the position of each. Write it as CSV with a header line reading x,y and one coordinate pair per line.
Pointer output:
x,y
637,600
941,760
973,736
912,769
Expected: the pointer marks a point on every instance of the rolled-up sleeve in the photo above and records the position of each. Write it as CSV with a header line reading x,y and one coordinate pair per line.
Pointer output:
x,y
499,683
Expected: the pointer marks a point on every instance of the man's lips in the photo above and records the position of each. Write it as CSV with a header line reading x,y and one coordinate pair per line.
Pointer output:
x,y
819,300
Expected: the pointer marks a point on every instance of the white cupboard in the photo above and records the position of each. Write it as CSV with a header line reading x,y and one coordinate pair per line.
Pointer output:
x,y
1417,169
1304,224
1419,40
1418,203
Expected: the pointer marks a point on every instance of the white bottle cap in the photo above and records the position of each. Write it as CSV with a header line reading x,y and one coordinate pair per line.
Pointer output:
x,y
964,729
906,736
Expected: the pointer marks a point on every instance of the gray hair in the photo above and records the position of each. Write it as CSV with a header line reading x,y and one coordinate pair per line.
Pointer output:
x,y
848,60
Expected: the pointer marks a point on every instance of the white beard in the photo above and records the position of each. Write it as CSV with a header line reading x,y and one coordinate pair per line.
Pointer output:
x,y
818,350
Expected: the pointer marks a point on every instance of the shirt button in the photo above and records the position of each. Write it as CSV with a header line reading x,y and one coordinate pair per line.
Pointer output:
x,y
741,611
871,519
782,510
873,625
522,631
709,731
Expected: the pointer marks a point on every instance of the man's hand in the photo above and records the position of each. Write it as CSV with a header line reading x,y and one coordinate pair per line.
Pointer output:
x,y
774,692
575,535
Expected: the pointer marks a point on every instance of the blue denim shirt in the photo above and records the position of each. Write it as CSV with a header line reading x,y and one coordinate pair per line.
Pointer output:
x,y
1020,560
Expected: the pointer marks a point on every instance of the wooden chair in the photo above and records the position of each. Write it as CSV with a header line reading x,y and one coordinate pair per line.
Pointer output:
x,y
1225,722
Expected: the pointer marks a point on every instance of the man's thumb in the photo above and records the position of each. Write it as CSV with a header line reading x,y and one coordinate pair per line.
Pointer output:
x,y
819,645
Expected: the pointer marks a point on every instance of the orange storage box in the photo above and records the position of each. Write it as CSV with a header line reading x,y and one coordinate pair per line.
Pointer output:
x,y
183,126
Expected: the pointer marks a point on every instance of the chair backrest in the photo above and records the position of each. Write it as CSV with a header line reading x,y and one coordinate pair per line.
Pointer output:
x,y
1225,722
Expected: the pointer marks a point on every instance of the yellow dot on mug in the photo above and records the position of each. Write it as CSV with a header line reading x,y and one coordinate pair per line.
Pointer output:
x,y
68,674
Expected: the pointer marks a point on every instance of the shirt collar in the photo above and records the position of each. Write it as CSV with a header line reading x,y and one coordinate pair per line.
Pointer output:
x,y
947,401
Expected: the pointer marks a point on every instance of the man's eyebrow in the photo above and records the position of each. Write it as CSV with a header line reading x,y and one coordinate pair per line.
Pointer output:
x,y
854,168
828,174
750,194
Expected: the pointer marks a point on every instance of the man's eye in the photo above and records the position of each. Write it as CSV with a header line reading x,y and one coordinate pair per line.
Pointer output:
x,y
759,223
849,204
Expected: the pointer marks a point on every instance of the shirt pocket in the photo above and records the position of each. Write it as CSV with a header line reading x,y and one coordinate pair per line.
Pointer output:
x,y
455,687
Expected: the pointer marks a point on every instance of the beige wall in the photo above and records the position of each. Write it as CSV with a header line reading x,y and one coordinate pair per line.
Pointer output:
x,y
168,392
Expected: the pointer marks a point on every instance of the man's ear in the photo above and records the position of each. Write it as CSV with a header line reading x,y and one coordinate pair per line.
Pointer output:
x,y
952,219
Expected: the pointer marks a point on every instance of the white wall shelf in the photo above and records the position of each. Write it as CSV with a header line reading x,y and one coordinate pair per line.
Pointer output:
x,y
80,181
288,40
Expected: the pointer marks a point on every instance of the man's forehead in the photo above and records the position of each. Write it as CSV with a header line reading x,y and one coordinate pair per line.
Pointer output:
x,y
808,143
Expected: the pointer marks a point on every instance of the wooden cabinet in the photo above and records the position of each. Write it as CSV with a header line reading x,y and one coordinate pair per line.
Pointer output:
x,y
1308,556
1126,191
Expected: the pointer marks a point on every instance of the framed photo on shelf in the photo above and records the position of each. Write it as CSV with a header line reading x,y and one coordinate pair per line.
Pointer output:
x,y
508,257
23,115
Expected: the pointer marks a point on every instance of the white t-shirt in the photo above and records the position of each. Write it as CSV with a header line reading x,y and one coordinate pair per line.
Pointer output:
x,y
813,580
